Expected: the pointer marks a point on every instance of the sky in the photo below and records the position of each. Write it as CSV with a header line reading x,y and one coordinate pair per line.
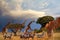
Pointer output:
x,y
19,10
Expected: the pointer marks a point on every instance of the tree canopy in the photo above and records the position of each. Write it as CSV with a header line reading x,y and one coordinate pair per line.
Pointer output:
x,y
43,20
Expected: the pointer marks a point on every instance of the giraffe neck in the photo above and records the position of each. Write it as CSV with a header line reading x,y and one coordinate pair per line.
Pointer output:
x,y
29,23
28,27
4,30
23,23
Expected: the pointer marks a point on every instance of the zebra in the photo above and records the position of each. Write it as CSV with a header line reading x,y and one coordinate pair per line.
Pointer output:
x,y
27,36
7,35
42,35
24,36
31,35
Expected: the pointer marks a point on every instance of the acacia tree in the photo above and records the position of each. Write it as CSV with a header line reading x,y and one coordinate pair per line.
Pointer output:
x,y
43,20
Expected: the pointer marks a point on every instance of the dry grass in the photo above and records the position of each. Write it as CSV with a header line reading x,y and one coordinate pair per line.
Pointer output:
x,y
56,37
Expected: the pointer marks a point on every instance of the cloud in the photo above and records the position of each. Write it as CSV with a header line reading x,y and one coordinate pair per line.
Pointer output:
x,y
34,4
34,8
51,7
4,8
18,11
27,14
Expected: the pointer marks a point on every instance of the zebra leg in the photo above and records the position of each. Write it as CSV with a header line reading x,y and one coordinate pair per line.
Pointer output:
x,y
4,38
37,38
10,38
33,38
28,38
23,38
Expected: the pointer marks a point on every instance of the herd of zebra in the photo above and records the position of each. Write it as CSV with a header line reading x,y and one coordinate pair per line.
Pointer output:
x,y
24,36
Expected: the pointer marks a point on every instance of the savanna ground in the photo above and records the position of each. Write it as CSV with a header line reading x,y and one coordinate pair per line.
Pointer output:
x,y
56,37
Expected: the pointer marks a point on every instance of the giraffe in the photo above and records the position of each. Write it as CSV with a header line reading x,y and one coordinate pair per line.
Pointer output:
x,y
22,25
28,34
52,25
5,33
28,27
5,29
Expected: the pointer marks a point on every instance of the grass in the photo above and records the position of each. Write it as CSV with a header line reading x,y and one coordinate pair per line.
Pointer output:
x,y
1,38
56,37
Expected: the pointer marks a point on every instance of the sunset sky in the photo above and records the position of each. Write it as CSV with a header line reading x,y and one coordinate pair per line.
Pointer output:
x,y
19,10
